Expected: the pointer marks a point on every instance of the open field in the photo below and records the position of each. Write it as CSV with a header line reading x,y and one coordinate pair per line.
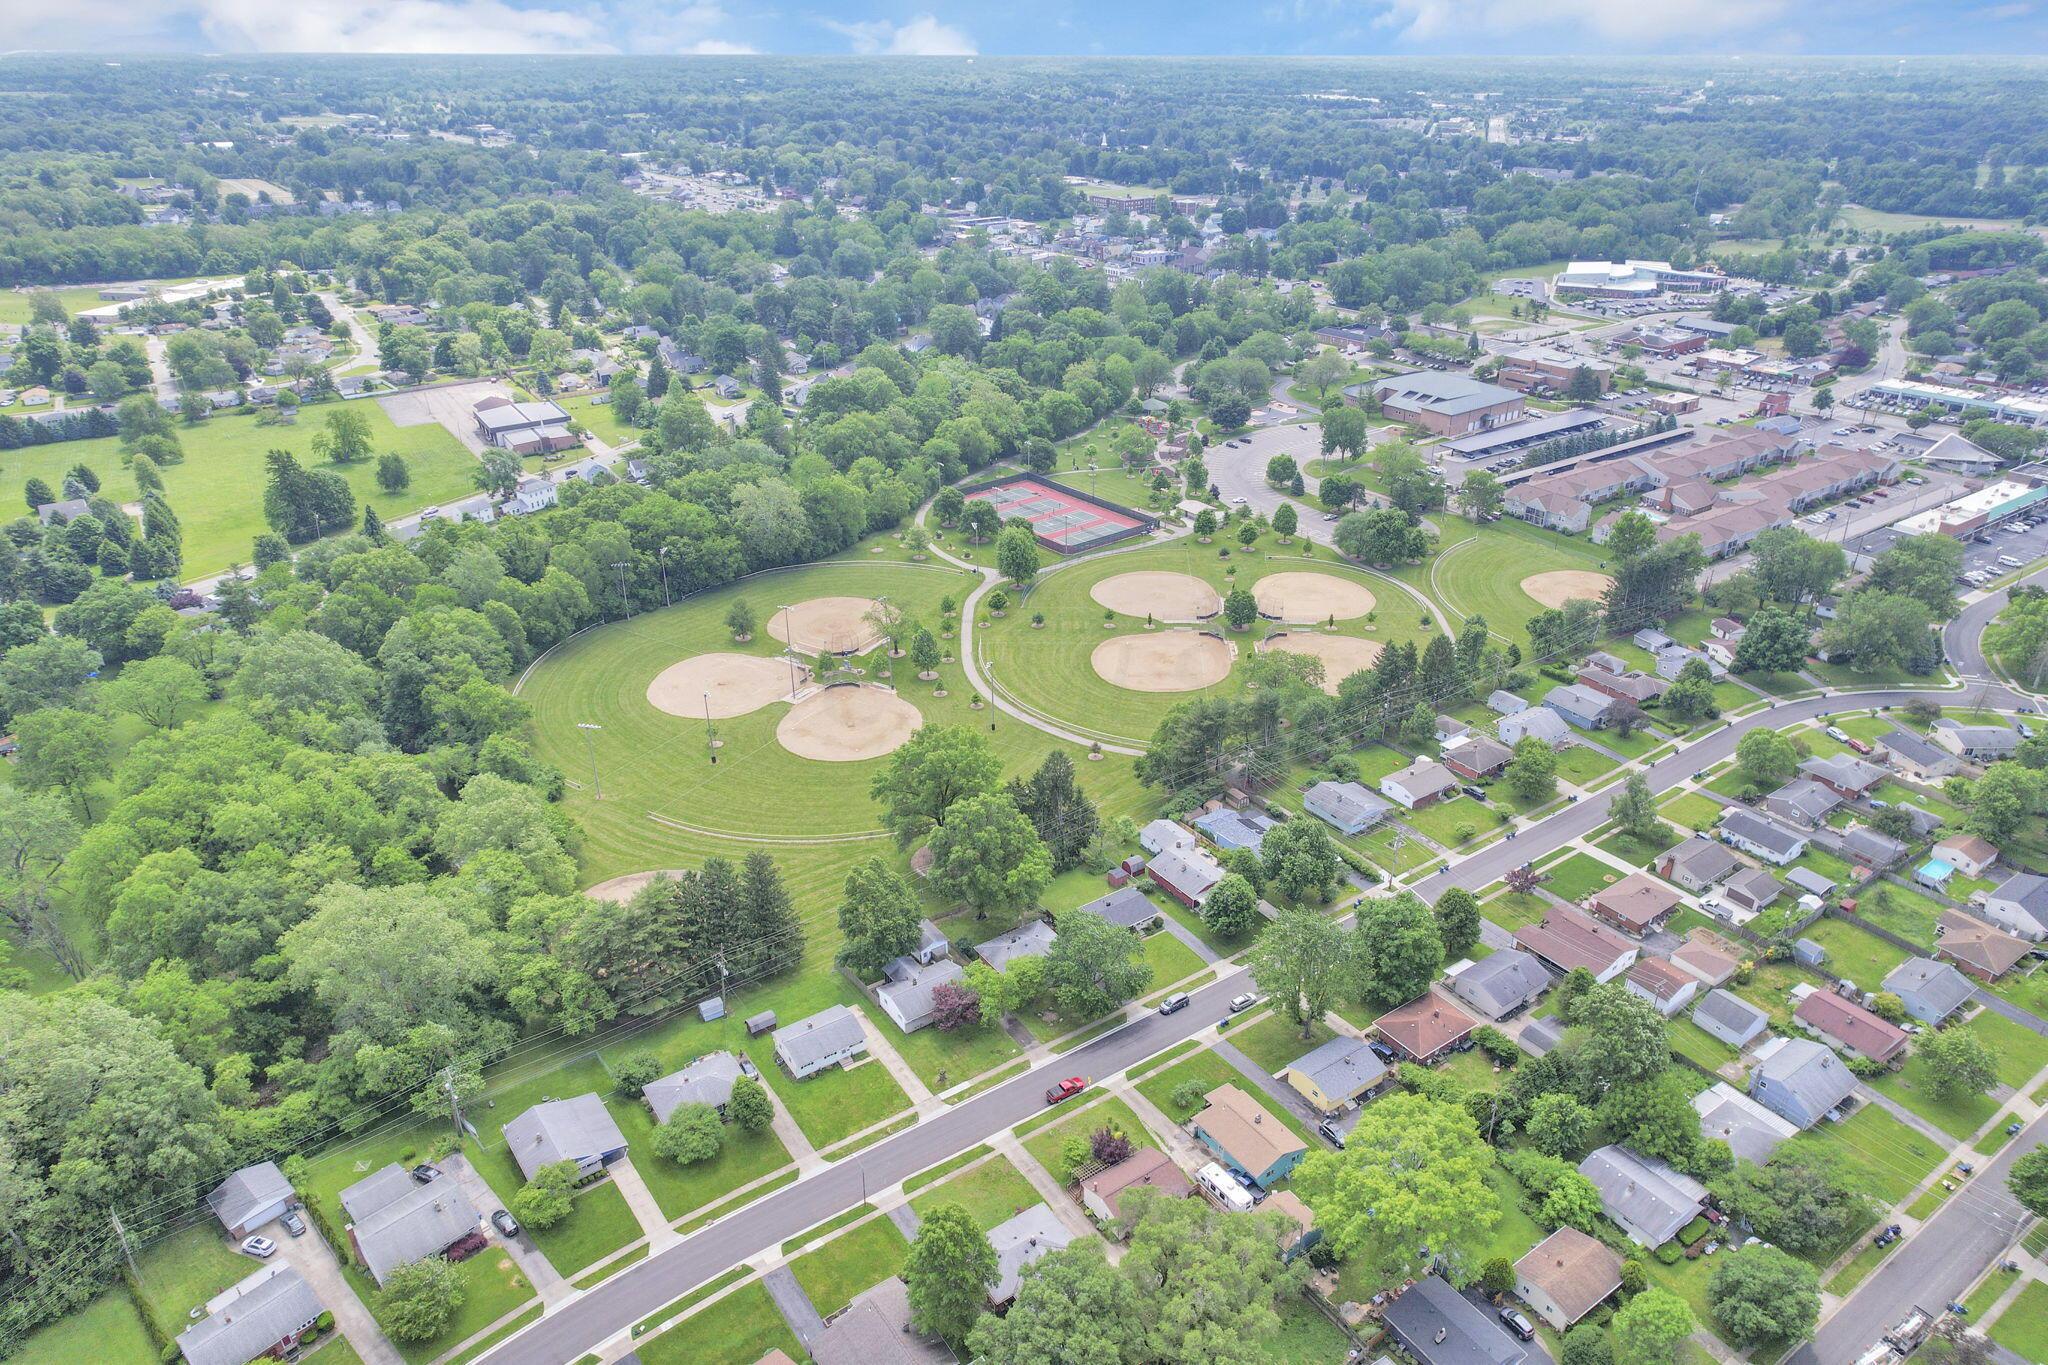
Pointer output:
x,y
1861,219
218,491
1470,580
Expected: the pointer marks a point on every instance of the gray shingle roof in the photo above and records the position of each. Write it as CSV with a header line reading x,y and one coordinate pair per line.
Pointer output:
x,y
1033,939
1932,990
1345,803
2028,894
248,1192
1844,770
1736,1017
1034,1233
912,995
1866,845
1914,749
1501,981
829,1031
1757,830
1342,1067
1808,1071
1127,907
708,1080
578,1129
1702,858
1440,1326
1650,1200
250,1318
398,1220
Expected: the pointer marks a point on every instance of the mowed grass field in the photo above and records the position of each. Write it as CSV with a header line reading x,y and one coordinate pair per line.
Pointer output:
x,y
218,491
666,806
1049,670
1479,571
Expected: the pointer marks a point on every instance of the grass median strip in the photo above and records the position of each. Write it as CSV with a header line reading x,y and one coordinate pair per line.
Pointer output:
x,y
946,1168
809,1235
691,1299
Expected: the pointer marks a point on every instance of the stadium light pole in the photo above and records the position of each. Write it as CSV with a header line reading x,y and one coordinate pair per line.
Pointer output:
x,y
620,565
788,646
590,744
661,556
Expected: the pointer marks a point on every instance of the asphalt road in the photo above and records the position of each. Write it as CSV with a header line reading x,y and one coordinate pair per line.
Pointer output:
x,y
580,1326
1936,1265
1963,638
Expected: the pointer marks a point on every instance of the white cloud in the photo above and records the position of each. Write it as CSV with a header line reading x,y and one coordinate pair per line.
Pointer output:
x,y
1621,21
923,36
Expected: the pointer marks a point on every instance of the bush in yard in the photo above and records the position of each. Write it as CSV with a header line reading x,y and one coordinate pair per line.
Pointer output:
x,y
1497,1276
634,1073
1188,1095
1586,1344
1762,1294
691,1135
1075,1153
1633,1277
420,1298
1108,1146
548,1198
749,1106
1496,1045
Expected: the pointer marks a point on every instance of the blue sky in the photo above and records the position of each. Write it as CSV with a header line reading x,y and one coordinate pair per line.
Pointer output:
x,y
1005,27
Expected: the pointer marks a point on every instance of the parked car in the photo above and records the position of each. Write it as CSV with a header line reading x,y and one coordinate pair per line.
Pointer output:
x,y
1858,745
1513,1320
1175,1003
1836,733
425,1172
293,1224
1331,1135
1240,1003
505,1223
1066,1089
262,1248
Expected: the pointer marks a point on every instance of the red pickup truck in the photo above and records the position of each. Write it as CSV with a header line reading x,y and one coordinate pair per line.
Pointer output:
x,y
1066,1089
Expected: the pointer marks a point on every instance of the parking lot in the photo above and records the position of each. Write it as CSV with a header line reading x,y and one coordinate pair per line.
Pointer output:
x,y
1982,556
1239,472
451,405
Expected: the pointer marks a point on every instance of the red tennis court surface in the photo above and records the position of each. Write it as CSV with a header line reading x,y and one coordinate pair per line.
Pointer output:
x,y
1062,519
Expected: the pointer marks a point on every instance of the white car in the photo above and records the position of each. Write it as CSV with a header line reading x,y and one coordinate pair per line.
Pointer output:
x,y
262,1248
1834,732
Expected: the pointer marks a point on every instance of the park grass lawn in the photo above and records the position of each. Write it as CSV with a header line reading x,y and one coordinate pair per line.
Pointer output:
x,y
1841,675
743,1158
851,1263
17,305
1779,684
1581,764
1893,1156
108,1329
218,491
1275,1041
1470,580
2023,1327
1513,909
1204,1067
1863,958
1170,959
1692,810
1911,1085
2021,1051
992,1193
739,1329
187,1268
1580,876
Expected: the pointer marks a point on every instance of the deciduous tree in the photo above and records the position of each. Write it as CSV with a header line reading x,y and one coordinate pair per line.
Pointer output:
x,y
949,1272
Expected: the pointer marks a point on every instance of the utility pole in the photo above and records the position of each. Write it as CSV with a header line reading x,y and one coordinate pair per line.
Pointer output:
x,y
620,565
454,1100
789,648
661,556
722,974
590,744
129,1251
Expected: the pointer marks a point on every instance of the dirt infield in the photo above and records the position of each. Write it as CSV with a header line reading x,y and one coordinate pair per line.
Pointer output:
x,y
1311,597
735,683
619,890
1172,661
1341,654
1559,586
836,625
847,724
1163,596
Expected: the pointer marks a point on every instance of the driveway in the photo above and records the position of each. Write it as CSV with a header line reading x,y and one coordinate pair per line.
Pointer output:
x,y
795,1306
1269,1084
316,1262
540,1272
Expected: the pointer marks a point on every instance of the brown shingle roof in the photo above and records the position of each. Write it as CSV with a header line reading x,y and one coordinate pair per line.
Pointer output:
x,y
1425,1025
1574,1269
1973,943
1568,939
1146,1169
1637,900
1851,1025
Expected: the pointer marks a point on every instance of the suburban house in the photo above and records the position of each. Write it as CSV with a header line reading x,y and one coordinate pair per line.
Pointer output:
x,y
1187,876
1708,956
1148,1168
1761,837
1502,984
1229,829
261,1315
1446,403
1033,938
1730,1018
1163,835
1803,802
1647,1199
1566,1276
1127,907
1931,991
523,428
1637,903
1246,1138
1339,1073
394,1220
1851,1027
1752,889
831,1037
1030,1236
1581,705
1697,863
1662,984
1568,939
1425,1028
1970,854
1978,949
1916,758
1421,783
1449,729
1600,661
1538,722
1346,807
579,1129
874,1329
2020,906
1505,703
1977,743
1439,1326
1630,686
533,494
1847,776
708,1080
931,942
251,1197
1799,1080
1751,1131
1477,758
907,996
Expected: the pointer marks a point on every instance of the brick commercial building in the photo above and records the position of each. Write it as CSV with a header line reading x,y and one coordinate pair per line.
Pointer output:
x,y
1448,404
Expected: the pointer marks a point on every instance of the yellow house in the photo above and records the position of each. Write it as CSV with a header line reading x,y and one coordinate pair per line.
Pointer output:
x,y
1336,1075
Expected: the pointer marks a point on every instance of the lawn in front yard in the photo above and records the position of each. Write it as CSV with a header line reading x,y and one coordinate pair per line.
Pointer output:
x,y
1630,849
492,1287
1579,876
2023,1327
1276,1040
992,1193
850,1264
598,1224
834,1105
1893,1155
1170,959
1513,909
1108,1112
2021,1051
739,1329
1205,1068
1451,822
1580,765
1692,811
1911,1086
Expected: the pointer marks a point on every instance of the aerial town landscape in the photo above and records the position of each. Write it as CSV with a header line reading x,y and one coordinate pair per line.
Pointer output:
x,y
896,703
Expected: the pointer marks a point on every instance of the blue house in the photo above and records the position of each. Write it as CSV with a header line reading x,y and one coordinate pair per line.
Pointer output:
x,y
1246,1138
1227,828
